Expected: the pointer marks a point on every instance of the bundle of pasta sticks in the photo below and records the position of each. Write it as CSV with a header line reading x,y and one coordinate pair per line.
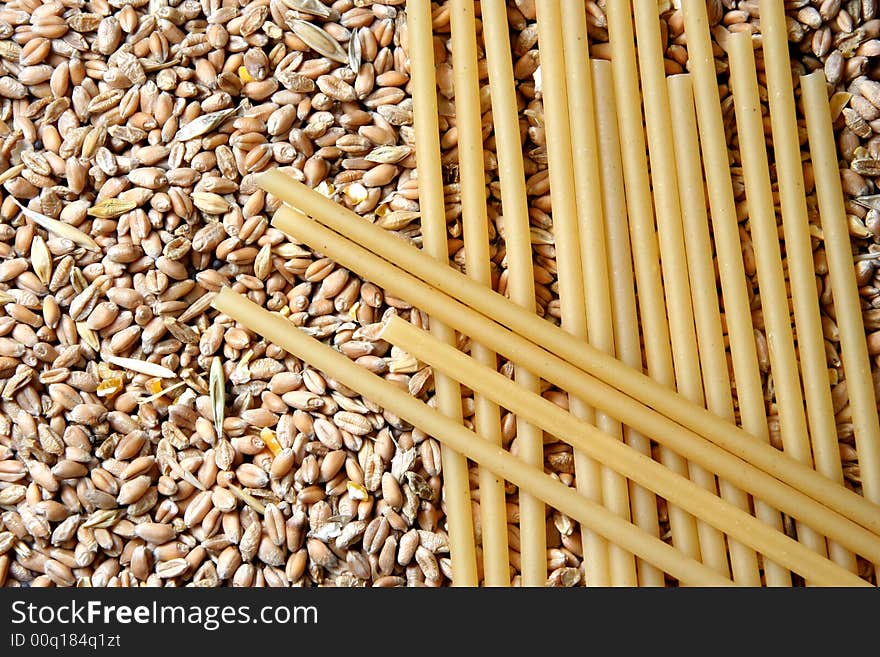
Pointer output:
x,y
640,349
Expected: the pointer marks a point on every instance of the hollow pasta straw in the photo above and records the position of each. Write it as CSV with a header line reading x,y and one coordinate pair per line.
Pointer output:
x,y
646,256
633,396
771,279
624,315
456,483
517,238
521,286
725,228
844,289
587,183
799,254
487,415
664,180
707,316
565,374
570,269
273,327
670,485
